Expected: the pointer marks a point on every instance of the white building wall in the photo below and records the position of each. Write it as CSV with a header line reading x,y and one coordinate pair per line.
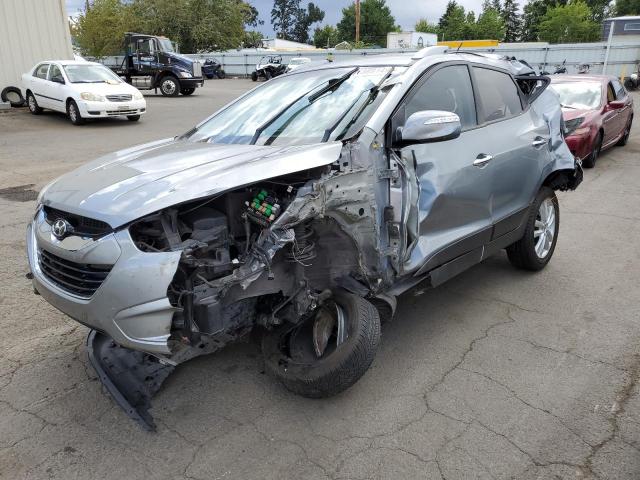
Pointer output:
x,y
31,31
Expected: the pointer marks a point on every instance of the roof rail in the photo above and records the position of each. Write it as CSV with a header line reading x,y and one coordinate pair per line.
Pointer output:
x,y
425,52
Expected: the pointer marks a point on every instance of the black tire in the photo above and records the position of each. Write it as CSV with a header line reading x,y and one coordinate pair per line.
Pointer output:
x,y
221,74
12,95
73,112
334,372
522,254
254,76
625,136
629,84
169,86
133,118
32,103
267,75
592,158
187,91
209,76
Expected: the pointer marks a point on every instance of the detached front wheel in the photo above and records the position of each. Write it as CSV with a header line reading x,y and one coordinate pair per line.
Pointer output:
x,y
327,352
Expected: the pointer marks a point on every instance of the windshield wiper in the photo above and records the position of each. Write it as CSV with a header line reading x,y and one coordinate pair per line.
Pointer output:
x,y
313,97
568,106
373,91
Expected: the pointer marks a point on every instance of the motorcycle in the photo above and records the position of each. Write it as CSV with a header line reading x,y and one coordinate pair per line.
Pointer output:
x,y
211,69
562,68
632,82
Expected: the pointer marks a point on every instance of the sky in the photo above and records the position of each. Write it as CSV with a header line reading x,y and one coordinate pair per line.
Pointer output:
x,y
406,12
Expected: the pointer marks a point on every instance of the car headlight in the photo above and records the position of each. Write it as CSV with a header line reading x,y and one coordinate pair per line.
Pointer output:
x,y
137,96
184,74
570,126
92,97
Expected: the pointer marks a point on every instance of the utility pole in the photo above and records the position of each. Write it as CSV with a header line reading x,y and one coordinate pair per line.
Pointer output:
x,y
357,21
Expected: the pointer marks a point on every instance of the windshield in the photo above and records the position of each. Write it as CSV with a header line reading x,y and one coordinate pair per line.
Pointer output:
x,y
90,74
299,109
165,45
580,96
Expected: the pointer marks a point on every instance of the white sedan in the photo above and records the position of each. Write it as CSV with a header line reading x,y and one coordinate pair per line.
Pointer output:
x,y
82,90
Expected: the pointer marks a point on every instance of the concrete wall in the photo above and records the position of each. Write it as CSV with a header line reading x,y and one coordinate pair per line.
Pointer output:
x,y
31,31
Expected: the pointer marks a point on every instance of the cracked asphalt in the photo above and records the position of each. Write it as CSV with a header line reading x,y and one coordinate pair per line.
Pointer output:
x,y
498,374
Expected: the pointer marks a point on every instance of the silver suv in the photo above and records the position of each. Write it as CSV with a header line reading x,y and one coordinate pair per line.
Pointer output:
x,y
301,211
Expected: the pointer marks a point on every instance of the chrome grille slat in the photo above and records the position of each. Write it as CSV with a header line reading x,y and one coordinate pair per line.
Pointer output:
x,y
77,278
81,225
120,98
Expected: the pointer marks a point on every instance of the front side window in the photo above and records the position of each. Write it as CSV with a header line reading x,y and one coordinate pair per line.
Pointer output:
x,y
578,95
54,72
448,89
498,95
90,74
306,108
619,89
41,71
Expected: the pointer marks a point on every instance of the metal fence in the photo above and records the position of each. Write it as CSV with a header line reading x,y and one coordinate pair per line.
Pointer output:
x,y
622,59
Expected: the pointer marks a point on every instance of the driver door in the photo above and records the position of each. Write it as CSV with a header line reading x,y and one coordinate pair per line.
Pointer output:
x,y
146,56
55,89
451,215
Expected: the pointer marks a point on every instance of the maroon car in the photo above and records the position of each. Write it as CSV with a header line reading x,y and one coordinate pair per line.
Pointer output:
x,y
597,112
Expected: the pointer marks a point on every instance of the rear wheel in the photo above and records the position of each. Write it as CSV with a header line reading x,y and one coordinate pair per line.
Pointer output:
x,y
169,86
590,161
625,136
327,352
534,250
74,113
33,104
221,74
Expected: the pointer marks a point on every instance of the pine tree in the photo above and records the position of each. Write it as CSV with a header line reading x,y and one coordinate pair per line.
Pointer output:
x,y
512,21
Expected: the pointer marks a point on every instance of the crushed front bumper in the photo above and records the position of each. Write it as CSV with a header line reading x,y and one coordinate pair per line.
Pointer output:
x,y
130,305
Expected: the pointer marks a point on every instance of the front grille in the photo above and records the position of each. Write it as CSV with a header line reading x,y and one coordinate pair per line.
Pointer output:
x,y
77,278
115,113
119,98
197,69
83,226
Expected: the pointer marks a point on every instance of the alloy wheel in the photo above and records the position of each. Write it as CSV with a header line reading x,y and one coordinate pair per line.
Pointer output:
x,y
545,228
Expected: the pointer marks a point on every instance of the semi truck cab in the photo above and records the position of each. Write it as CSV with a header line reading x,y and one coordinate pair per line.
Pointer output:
x,y
152,63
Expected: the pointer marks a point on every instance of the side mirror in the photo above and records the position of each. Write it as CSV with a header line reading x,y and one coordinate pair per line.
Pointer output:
x,y
429,126
58,79
615,105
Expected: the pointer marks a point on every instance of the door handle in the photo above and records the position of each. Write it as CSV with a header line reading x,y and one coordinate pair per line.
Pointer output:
x,y
539,142
482,160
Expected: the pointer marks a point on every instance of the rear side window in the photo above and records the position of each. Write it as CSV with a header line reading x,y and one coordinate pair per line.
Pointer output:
x,y
498,95
448,89
41,71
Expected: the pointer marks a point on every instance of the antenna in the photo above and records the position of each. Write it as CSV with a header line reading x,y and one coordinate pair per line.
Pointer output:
x,y
459,46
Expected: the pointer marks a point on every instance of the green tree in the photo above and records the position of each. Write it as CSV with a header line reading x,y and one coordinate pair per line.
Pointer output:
x,y
251,15
252,39
100,29
325,37
511,20
375,22
600,9
305,19
423,25
284,17
453,22
627,7
569,23
490,25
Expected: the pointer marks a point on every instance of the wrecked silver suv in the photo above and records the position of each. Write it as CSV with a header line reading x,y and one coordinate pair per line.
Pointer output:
x,y
300,211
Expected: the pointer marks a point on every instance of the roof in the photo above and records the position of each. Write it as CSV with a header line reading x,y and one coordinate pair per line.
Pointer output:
x,y
71,62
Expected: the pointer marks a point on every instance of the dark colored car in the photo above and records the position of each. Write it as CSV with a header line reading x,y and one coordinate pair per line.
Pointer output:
x,y
597,112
